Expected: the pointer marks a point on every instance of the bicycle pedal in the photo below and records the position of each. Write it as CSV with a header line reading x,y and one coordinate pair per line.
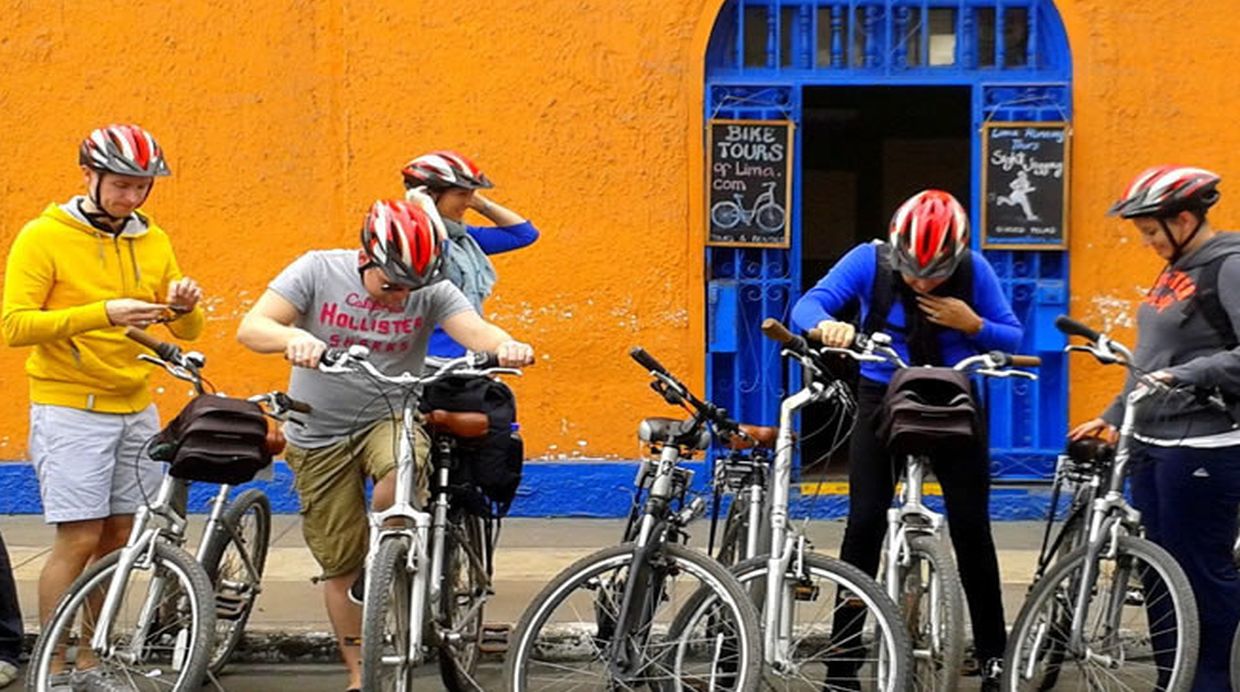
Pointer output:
x,y
494,638
229,607
805,592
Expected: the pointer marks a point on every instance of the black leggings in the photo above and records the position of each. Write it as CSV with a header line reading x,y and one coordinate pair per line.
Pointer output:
x,y
965,479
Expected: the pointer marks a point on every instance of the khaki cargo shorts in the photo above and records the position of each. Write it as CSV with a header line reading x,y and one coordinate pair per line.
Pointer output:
x,y
331,482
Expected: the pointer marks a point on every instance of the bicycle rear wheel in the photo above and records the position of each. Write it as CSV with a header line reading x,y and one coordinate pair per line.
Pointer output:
x,y
565,639
387,664
1140,629
244,532
465,590
165,649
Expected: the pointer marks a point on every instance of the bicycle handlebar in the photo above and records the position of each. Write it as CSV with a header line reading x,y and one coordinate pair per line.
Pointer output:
x,y
480,364
647,361
1069,326
675,392
170,353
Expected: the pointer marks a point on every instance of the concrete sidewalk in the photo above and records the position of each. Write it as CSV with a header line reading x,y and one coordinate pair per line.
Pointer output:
x,y
290,616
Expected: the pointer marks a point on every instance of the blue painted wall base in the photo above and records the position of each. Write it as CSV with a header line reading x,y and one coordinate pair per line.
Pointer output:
x,y
589,489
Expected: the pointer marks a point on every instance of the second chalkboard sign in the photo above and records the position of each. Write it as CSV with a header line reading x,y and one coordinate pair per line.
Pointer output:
x,y
749,169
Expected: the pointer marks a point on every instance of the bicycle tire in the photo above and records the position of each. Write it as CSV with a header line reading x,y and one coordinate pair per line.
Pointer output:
x,y
388,589
1235,660
193,585
716,579
898,650
1020,661
937,670
237,606
458,660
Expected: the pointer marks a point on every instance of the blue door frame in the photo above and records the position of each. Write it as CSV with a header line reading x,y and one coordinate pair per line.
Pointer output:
x,y
1012,54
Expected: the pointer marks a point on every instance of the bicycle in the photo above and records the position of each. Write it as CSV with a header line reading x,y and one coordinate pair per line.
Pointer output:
x,y
919,572
428,571
171,623
603,622
768,213
800,590
1117,606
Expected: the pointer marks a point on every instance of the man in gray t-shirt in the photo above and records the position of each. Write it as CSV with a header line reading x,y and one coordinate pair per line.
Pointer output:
x,y
387,297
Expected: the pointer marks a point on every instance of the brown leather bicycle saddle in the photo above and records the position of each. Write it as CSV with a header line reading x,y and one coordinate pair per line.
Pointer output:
x,y
1091,450
762,436
463,424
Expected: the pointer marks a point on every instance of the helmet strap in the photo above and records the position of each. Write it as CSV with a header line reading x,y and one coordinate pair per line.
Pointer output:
x,y
1178,247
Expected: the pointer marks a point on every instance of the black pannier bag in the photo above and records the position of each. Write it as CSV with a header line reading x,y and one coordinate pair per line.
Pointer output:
x,y
489,474
215,439
928,411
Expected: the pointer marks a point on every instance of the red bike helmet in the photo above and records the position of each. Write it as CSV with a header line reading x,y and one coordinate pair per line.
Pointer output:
x,y
440,169
405,240
1164,191
125,150
929,235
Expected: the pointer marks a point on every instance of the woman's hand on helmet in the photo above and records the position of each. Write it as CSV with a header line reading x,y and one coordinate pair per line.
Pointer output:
x,y
514,354
952,313
837,334
304,350
1094,428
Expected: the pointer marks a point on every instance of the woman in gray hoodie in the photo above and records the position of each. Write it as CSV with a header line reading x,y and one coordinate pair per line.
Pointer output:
x,y
1186,473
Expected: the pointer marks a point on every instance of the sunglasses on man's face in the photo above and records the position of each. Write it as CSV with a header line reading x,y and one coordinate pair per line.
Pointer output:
x,y
388,287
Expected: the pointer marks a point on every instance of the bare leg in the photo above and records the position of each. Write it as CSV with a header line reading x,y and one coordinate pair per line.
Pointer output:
x,y
346,617
76,542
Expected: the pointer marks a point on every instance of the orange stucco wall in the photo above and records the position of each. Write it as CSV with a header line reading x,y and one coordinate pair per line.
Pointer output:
x,y
283,120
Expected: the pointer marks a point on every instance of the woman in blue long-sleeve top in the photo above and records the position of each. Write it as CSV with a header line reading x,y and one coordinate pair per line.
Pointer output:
x,y
453,181
944,303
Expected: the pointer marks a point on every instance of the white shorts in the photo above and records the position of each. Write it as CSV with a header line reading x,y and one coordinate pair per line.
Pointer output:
x,y
92,465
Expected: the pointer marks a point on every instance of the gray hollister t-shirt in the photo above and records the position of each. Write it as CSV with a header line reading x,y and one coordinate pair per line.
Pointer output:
x,y
325,287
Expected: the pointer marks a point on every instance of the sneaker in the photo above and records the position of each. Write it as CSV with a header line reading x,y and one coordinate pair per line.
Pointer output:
x,y
8,673
992,671
357,592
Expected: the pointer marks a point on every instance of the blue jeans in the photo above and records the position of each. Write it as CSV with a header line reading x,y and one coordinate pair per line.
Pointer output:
x,y
1188,500
10,611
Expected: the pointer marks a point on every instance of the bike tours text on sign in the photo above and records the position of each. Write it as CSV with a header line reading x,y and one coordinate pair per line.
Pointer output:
x,y
749,172
1025,185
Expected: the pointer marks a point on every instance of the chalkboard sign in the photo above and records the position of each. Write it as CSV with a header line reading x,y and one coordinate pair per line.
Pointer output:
x,y
749,171
1025,185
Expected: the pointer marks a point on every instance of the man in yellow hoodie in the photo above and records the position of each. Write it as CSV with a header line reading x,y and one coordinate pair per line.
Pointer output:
x,y
76,277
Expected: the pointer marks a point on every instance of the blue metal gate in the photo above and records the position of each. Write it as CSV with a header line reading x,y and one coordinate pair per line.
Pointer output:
x,y
1014,56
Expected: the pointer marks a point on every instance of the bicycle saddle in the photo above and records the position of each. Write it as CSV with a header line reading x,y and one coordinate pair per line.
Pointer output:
x,y
464,424
1091,450
673,431
759,436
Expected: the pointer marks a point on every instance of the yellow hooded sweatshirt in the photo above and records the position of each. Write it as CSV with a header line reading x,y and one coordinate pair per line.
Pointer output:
x,y
60,273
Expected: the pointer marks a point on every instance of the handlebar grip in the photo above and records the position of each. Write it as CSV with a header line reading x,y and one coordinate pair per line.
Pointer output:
x,y
166,351
1026,361
647,361
814,336
332,356
1067,325
776,331
298,406
485,360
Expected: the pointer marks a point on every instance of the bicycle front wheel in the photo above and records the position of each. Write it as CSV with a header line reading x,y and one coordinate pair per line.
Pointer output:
x,y
235,557
463,595
159,639
1139,630
841,631
387,663
933,608
566,639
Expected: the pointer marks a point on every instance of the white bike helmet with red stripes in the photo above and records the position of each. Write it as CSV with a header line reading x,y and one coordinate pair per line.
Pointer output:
x,y
440,169
125,150
405,240
929,235
1164,191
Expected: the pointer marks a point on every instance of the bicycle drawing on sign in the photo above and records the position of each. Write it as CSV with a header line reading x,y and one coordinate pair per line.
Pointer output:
x,y
765,212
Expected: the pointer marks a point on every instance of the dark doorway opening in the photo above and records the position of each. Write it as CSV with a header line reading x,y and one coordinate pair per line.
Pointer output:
x,y
864,151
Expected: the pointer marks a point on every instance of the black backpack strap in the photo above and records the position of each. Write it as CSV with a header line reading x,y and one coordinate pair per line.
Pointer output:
x,y
1207,301
882,293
